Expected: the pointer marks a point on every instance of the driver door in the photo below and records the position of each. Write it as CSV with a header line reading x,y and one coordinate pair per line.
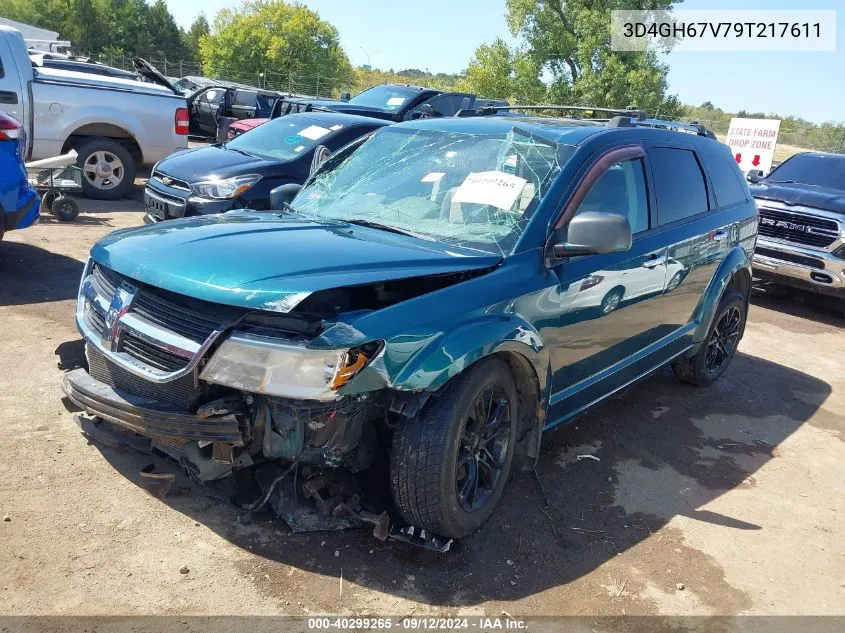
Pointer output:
x,y
610,304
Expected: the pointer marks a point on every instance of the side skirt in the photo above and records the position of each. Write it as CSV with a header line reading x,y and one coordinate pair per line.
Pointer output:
x,y
567,403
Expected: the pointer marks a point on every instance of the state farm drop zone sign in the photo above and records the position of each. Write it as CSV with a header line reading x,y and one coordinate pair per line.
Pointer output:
x,y
753,141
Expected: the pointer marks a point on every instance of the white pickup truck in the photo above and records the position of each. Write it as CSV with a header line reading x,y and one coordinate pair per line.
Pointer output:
x,y
114,125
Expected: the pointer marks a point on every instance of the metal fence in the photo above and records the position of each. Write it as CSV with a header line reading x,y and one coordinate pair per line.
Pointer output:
x,y
791,139
316,85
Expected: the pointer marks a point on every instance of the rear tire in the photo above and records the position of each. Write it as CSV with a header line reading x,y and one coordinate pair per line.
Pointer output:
x,y
65,208
718,349
449,466
116,160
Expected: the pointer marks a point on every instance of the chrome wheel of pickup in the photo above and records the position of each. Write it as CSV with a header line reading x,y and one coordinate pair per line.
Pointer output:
x,y
104,170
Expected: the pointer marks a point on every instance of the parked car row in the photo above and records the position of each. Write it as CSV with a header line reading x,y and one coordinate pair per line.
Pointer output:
x,y
114,124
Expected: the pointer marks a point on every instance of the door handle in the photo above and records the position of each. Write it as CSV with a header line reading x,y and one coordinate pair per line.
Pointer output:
x,y
718,236
8,97
654,261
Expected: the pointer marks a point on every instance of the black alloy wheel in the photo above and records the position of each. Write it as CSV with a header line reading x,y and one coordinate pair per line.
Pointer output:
x,y
483,451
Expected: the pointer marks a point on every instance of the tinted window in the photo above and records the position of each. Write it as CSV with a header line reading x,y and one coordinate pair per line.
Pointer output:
x,y
245,98
621,189
443,105
812,169
727,181
678,184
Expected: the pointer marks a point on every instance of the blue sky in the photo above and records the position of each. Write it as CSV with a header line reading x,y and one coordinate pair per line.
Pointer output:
x,y
441,35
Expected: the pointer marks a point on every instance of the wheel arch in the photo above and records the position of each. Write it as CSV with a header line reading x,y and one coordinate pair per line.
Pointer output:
x,y
515,342
733,273
104,130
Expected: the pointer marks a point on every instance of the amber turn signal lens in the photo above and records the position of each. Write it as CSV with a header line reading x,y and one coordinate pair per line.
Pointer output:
x,y
356,360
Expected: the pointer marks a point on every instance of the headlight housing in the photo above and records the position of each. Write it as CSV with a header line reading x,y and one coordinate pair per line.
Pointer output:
x,y
226,188
260,364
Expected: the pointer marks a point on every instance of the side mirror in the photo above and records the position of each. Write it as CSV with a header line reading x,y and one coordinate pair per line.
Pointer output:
x,y
283,195
754,176
591,233
345,96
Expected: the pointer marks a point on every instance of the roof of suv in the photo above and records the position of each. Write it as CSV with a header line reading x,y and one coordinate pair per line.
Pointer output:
x,y
569,131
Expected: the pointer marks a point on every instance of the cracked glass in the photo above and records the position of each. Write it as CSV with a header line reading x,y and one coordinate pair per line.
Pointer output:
x,y
476,191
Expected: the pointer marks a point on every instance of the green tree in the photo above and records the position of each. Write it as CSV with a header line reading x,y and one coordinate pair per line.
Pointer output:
x,y
199,28
498,71
166,36
272,36
568,42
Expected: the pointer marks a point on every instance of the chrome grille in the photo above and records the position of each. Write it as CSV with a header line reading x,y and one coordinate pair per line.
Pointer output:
x,y
179,393
169,181
160,333
150,354
798,228
177,318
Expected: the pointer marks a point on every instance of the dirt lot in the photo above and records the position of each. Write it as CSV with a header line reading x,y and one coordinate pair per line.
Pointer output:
x,y
729,500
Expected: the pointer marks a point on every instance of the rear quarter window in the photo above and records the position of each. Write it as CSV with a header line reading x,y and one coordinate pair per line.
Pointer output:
x,y
678,183
729,186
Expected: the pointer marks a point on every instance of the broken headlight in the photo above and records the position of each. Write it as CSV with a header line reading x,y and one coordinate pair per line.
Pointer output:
x,y
225,189
260,364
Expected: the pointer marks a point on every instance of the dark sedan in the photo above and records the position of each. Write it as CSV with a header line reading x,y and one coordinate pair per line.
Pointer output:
x,y
242,172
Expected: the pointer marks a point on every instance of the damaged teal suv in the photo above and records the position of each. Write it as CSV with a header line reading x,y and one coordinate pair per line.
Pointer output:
x,y
436,295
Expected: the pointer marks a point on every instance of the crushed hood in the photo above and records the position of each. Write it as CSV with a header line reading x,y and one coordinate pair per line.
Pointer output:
x,y
266,262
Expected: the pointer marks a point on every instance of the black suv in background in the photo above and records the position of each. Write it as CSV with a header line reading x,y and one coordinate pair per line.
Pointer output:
x,y
399,102
802,223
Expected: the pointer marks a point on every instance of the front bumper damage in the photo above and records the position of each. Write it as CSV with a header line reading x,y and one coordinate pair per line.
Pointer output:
x,y
325,443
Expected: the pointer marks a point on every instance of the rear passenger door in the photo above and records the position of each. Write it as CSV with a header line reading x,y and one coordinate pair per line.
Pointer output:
x,y
697,239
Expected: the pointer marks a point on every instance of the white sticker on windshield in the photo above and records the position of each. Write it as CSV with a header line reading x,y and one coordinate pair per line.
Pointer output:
x,y
395,101
334,128
433,176
314,132
490,187
299,149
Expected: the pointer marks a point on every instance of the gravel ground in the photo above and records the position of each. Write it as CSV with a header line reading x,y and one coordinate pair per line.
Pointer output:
x,y
728,500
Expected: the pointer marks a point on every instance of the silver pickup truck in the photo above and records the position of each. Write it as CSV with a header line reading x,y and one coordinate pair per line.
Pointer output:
x,y
114,125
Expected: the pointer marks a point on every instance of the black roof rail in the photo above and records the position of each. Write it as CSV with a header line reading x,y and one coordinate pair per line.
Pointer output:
x,y
487,110
678,126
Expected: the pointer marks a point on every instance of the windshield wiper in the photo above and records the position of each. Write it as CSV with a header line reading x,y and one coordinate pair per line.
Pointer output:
x,y
385,227
782,182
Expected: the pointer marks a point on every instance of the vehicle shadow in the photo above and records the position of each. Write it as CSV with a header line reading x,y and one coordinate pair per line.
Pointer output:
x,y
83,219
34,275
657,451
818,308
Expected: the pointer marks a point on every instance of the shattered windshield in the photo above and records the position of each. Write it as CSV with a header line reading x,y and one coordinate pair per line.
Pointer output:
x,y
475,191
385,97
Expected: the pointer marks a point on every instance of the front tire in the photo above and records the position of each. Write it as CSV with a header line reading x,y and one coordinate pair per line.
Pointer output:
x,y
449,467
108,169
718,349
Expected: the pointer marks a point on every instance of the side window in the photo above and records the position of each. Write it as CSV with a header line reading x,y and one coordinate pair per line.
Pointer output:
x,y
727,181
214,96
2,73
446,104
678,184
621,189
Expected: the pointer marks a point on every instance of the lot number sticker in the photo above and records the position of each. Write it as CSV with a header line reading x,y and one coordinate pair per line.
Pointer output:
x,y
495,188
314,132
752,143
